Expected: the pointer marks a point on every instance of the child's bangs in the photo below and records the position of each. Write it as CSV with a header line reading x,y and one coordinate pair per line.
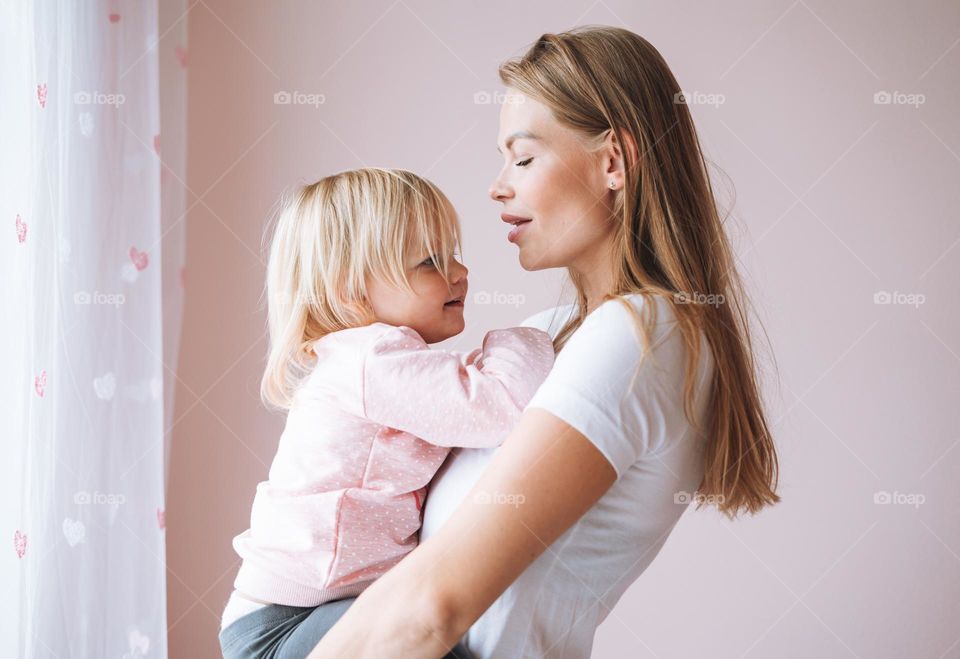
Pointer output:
x,y
435,229
407,220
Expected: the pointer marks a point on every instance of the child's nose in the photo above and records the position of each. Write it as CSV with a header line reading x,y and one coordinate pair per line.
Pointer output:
x,y
459,271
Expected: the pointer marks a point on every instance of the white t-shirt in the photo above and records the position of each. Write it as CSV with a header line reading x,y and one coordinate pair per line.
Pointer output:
x,y
553,609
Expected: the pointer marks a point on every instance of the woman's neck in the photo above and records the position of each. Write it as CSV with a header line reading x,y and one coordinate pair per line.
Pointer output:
x,y
596,279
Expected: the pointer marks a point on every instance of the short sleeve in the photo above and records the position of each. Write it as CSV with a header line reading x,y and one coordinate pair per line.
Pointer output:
x,y
599,386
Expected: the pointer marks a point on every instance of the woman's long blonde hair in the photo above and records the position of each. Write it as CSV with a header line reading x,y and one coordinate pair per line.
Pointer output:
x,y
329,237
669,240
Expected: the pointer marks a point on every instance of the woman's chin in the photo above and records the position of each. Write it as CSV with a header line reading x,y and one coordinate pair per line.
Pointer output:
x,y
531,261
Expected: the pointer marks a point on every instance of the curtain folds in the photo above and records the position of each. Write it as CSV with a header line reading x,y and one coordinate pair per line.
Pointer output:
x,y
92,97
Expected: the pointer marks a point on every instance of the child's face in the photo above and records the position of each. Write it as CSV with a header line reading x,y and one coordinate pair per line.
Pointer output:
x,y
433,309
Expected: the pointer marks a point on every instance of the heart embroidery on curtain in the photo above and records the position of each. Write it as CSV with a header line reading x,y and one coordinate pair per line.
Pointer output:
x,y
40,383
138,258
105,386
21,229
20,543
74,531
42,94
139,645
85,120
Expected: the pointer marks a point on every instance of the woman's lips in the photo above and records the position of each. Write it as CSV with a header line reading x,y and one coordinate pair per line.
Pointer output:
x,y
518,224
515,232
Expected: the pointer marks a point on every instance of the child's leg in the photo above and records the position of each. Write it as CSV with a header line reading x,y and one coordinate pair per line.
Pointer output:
x,y
289,632
309,632
311,629
259,633
458,652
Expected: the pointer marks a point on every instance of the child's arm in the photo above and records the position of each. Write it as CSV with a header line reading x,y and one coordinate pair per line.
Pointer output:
x,y
450,398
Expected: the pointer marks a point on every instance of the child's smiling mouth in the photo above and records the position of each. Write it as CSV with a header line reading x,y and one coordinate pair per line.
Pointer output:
x,y
456,302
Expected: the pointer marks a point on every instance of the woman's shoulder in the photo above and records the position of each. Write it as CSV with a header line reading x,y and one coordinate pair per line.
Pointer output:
x,y
551,320
611,314
625,308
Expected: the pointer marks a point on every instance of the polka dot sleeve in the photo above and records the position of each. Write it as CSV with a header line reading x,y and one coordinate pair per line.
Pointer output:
x,y
454,399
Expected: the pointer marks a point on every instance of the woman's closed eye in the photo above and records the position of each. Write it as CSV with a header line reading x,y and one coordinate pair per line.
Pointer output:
x,y
525,162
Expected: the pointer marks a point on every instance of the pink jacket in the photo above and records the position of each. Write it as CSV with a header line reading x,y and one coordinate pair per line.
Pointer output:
x,y
366,433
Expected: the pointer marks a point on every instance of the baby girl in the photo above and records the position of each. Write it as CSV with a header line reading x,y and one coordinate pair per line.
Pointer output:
x,y
363,275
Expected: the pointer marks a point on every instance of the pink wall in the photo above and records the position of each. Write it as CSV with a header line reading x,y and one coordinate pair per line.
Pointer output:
x,y
838,198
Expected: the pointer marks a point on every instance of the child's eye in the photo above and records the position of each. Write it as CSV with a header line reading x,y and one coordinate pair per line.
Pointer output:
x,y
524,163
431,261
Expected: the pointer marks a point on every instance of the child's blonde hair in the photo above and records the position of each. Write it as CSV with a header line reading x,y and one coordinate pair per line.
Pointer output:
x,y
329,237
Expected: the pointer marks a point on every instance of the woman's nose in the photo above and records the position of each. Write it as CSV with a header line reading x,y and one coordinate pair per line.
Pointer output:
x,y
499,191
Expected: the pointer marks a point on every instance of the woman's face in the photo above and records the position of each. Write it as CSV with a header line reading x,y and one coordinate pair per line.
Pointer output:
x,y
556,191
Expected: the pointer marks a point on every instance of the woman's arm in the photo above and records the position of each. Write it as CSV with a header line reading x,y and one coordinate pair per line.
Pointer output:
x,y
544,477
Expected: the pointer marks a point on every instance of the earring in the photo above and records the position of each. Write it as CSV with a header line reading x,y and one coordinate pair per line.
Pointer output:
x,y
613,184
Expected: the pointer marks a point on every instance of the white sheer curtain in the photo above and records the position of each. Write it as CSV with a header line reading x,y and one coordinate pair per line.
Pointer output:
x,y
91,259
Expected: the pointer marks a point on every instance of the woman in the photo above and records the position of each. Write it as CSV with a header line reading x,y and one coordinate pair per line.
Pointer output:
x,y
653,395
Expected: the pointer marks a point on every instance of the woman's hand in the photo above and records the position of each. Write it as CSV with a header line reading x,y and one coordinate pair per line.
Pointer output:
x,y
543,478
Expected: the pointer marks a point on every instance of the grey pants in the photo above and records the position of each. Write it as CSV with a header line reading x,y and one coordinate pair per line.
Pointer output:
x,y
277,631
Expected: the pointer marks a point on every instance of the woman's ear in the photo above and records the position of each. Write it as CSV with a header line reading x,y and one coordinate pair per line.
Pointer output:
x,y
615,157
